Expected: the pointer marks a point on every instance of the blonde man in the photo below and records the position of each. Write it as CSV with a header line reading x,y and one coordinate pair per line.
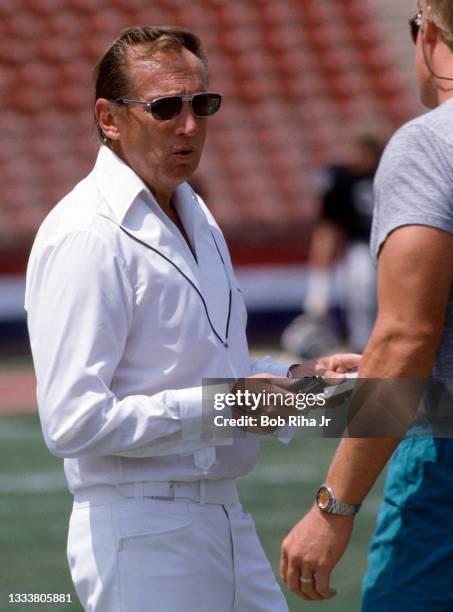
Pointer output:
x,y
411,556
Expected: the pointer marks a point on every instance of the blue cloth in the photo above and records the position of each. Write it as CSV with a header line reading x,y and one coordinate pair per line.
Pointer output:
x,y
410,563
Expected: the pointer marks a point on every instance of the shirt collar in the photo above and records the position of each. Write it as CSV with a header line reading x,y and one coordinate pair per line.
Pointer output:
x,y
119,184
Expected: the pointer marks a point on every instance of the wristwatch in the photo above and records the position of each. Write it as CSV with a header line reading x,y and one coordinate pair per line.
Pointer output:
x,y
327,502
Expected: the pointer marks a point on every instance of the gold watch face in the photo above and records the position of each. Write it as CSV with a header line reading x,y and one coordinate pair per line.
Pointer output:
x,y
323,498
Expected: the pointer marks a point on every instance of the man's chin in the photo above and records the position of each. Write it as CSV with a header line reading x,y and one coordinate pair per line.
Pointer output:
x,y
183,171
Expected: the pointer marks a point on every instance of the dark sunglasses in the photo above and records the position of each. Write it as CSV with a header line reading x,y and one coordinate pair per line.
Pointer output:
x,y
415,24
168,107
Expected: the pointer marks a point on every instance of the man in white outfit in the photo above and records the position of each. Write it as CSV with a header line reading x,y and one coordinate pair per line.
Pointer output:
x,y
132,302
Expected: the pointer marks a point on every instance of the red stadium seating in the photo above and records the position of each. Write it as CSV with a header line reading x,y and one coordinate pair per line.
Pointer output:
x,y
292,74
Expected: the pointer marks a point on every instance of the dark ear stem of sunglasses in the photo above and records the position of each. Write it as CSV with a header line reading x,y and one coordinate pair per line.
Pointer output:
x,y
415,24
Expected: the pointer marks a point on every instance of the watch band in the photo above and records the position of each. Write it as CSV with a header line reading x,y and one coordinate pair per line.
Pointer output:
x,y
339,507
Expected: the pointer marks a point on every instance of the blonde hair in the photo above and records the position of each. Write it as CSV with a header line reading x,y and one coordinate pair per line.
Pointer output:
x,y
440,12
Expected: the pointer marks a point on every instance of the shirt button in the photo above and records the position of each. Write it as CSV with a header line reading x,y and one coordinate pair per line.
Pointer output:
x,y
225,344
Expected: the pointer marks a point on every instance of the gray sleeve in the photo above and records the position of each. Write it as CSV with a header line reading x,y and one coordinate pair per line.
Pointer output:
x,y
414,184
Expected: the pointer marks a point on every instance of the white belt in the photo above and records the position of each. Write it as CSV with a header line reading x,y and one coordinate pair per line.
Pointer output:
x,y
201,491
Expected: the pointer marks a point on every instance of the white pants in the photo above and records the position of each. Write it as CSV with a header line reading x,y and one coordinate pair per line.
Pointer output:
x,y
151,555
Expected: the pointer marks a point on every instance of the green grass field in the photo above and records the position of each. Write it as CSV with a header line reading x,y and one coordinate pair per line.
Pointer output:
x,y
35,507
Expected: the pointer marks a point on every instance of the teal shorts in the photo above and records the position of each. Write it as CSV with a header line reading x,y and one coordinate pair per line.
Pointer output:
x,y
410,562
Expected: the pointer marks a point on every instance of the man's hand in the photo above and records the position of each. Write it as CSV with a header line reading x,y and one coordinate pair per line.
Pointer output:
x,y
310,552
264,386
261,386
330,366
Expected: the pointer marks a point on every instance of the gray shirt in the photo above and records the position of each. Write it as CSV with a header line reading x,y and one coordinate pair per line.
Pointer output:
x,y
414,186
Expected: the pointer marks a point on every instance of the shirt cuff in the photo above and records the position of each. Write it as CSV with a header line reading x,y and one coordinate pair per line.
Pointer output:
x,y
196,410
190,403
268,364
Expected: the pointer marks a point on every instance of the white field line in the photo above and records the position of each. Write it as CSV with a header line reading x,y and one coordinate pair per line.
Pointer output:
x,y
284,473
11,430
32,482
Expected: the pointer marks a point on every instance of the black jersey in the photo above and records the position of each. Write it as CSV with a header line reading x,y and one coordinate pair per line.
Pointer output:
x,y
347,199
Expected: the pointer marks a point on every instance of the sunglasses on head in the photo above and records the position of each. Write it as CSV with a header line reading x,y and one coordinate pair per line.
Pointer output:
x,y
415,24
168,107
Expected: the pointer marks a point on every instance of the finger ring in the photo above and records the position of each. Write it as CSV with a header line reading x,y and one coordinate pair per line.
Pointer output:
x,y
306,580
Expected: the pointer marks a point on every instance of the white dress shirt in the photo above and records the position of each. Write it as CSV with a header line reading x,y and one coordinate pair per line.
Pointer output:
x,y
125,324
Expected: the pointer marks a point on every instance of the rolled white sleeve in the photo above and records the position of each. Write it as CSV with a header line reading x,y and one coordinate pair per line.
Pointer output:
x,y
80,307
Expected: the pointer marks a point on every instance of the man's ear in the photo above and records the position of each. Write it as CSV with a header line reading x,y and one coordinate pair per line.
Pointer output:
x,y
106,119
430,32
